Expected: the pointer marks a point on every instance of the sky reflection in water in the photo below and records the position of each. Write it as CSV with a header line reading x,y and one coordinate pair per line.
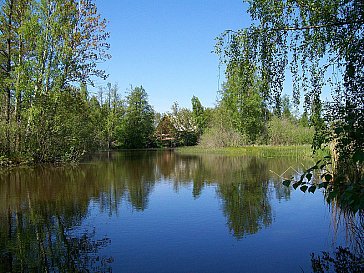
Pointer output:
x,y
161,212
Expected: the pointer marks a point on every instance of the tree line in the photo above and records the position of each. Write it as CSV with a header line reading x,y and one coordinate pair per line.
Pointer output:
x,y
49,55
49,51
132,123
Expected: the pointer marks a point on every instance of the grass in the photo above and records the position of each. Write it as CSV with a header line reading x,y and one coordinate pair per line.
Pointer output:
x,y
267,151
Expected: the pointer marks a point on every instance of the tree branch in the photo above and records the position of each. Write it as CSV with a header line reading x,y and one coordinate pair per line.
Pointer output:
x,y
337,24
291,28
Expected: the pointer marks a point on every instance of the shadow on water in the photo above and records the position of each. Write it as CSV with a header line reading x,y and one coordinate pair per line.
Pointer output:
x,y
42,208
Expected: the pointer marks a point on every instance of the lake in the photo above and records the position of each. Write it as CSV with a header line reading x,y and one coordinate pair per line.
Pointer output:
x,y
160,211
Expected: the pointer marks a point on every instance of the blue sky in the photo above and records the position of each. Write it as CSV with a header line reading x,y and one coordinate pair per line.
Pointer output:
x,y
165,45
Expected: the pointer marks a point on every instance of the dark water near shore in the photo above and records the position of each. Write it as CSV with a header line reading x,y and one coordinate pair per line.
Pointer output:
x,y
161,212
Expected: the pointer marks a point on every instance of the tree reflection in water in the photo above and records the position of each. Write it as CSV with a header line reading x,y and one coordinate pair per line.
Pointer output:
x,y
245,199
42,208
32,239
40,211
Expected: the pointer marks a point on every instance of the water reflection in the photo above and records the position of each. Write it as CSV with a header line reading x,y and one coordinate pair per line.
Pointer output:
x,y
246,200
42,209
37,214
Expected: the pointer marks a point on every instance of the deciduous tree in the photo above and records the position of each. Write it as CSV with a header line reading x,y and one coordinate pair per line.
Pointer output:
x,y
322,44
137,127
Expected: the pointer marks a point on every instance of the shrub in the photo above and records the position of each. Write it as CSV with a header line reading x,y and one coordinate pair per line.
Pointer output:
x,y
286,132
218,137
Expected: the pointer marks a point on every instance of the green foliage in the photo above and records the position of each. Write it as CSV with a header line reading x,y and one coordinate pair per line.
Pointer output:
x,y
241,98
49,51
217,137
137,127
199,115
287,132
286,107
184,122
322,44
165,132
113,112
261,151
303,120
221,132
62,134
349,195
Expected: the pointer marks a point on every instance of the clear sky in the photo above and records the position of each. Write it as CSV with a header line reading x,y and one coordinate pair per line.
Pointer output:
x,y
165,45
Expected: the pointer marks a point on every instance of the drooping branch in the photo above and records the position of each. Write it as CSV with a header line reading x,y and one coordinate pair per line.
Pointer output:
x,y
297,28
336,24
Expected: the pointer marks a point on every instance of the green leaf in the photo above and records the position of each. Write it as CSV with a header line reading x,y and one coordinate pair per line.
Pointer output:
x,y
309,176
339,130
302,177
332,195
287,183
358,156
312,189
323,185
304,188
328,177
296,185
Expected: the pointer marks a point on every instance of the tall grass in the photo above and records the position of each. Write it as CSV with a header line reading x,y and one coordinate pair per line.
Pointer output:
x,y
267,151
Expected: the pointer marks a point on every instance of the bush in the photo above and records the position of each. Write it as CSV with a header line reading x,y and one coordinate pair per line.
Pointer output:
x,y
61,128
218,137
286,132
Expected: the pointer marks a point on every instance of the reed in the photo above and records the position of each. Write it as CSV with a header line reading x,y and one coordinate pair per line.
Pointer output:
x,y
266,151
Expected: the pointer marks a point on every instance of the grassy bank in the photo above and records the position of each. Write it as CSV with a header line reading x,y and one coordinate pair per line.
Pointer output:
x,y
267,151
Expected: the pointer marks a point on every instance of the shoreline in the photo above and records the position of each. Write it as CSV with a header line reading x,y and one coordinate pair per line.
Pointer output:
x,y
265,151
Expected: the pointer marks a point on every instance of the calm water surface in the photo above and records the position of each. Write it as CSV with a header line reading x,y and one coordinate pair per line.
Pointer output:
x,y
161,212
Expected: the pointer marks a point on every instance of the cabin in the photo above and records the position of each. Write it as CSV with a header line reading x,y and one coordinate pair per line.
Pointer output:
x,y
166,132
172,132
